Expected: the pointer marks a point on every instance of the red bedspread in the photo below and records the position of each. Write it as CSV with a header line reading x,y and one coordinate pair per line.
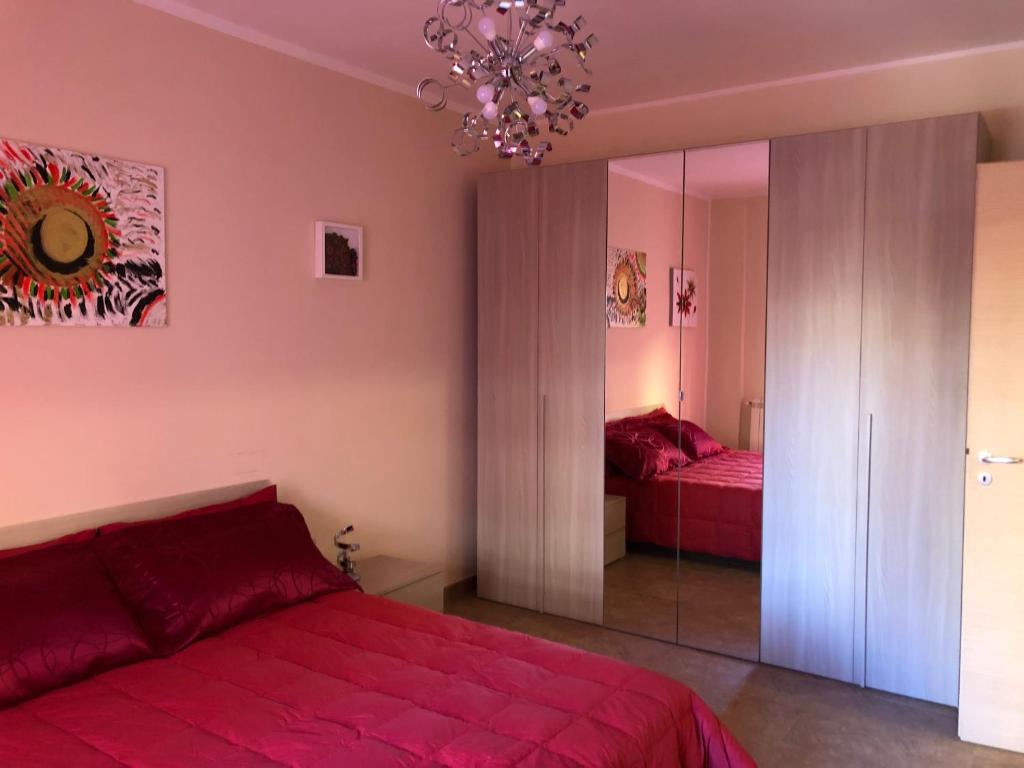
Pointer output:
x,y
720,504
353,680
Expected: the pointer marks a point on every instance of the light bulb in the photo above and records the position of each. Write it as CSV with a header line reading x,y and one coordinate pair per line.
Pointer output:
x,y
485,93
487,27
544,40
537,105
490,110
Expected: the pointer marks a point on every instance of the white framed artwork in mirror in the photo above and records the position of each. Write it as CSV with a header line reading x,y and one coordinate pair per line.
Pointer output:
x,y
339,251
683,298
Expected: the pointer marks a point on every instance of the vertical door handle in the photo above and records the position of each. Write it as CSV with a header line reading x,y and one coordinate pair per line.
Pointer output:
x,y
542,501
544,447
862,525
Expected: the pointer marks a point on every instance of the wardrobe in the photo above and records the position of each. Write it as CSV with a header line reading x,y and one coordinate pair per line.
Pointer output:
x,y
540,466
869,289
869,284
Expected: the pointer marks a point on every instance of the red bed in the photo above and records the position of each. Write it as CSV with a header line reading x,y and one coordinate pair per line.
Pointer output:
x,y
336,679
719,499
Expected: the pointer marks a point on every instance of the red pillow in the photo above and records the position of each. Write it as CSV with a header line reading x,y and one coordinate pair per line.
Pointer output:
x,y
61,620
697,443
81,537
187,577
641,452
262,496
657,418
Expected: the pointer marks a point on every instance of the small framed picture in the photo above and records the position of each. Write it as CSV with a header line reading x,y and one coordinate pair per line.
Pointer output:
x,y
339,251
683,298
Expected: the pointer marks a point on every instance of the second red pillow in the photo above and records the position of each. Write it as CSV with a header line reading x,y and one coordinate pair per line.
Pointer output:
x,y
640,452
188,577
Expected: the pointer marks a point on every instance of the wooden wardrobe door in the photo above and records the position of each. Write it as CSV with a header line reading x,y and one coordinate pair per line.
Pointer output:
x,y
508,513
812,381
918,253
573,257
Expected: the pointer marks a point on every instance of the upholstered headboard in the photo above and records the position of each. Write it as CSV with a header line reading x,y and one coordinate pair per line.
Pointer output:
x,y
23,534
627,412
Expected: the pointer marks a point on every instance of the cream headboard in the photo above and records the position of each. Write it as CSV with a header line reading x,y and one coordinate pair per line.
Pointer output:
x,y
23,534
626,413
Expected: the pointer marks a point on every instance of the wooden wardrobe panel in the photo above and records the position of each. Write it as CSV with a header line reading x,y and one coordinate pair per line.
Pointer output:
x,y
573,257
508,512
918,253
815,259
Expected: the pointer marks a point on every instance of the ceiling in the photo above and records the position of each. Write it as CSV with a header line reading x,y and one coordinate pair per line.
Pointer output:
x,y
649,50
732,170
665,170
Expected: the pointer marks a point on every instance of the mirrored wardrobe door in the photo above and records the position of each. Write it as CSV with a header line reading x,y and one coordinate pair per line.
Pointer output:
x,y
723,294
642,365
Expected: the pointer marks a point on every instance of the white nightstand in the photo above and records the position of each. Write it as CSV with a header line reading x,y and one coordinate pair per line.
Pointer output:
x,y
403,580
614,528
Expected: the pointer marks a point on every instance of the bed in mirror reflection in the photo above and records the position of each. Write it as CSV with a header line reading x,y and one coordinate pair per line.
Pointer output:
x,y
684,397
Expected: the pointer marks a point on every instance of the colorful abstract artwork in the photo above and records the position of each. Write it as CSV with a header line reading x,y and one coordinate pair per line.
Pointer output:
x,y
626,291
81,239
339,251
683,298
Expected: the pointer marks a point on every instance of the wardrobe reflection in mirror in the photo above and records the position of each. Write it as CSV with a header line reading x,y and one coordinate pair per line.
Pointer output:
x,y
684,395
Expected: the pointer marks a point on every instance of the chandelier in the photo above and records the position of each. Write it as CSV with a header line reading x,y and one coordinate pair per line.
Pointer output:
x,y
511,61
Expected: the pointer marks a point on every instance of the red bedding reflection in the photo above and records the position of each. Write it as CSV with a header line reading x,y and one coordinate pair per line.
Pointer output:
x,y
354,680
719,499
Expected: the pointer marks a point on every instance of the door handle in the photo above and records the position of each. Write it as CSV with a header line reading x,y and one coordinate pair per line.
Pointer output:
x,y
988,458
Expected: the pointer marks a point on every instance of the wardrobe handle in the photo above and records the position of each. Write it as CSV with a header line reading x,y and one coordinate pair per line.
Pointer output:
x,y
869,427
543,454
863,520
542,493
864,463
543,449
543,435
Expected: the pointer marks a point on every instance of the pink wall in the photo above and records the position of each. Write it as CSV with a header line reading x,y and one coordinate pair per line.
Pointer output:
x,y
642,364
737,294
357,398
695,340
725,243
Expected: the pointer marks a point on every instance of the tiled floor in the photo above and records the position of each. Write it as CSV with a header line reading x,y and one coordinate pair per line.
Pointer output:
x,y
784,719
717,605
640,596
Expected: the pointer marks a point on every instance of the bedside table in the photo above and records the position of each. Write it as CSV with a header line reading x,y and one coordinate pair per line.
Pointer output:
x,y
403,580
614,528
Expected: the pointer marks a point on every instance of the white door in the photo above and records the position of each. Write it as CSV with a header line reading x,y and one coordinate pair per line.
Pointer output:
x,y
992,660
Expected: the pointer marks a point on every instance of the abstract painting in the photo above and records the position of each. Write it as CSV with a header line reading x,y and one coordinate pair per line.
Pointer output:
x,y
683,298
626,290
81,239
339,251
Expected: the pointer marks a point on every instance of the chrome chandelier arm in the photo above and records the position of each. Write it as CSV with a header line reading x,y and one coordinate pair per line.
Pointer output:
x,y
517,78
